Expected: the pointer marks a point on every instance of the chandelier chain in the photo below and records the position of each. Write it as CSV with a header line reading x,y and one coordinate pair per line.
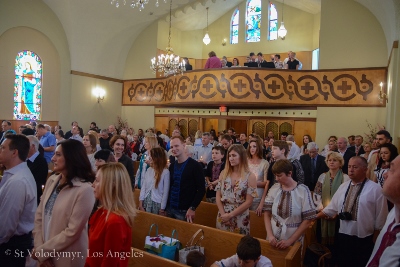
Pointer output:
x,y
170,24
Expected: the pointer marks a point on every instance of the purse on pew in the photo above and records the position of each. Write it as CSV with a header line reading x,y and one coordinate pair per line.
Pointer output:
x,y
161,245
192,247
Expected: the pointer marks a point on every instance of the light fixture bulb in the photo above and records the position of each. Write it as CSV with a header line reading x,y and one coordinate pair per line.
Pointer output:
x,y
206,39
282,30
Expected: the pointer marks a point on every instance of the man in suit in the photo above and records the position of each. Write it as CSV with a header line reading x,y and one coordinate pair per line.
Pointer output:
x,y
37,164
313,165
345,152
358,147
6,126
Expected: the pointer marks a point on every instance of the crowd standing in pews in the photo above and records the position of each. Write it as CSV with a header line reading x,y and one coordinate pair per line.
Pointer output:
x,y
267,169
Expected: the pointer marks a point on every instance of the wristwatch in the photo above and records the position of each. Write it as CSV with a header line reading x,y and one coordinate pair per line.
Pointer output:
x,y
192,208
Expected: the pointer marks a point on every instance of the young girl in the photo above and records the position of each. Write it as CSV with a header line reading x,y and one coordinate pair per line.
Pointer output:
x,y
235,192
259,167
110,226
387,153
154,193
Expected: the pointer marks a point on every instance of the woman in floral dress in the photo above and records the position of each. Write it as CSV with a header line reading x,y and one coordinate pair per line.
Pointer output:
x,y
235,192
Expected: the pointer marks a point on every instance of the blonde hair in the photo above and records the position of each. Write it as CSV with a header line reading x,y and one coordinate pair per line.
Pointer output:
x,y
152,140
335,155
198,134
243,165
115,192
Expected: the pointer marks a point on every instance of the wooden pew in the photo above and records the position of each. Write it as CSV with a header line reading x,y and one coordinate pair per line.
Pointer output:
x,y
142,258
218,244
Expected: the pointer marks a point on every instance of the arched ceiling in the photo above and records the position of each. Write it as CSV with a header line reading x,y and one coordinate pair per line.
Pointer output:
x,y
96,29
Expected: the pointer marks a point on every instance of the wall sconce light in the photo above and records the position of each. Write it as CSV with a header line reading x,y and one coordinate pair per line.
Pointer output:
x,y
99,94
224,42
382,96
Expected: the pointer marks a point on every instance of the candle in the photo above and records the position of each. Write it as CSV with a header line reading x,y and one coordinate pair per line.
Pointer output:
x,y
42,188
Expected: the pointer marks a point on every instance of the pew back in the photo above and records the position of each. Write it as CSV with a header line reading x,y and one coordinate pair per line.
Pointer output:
x,y
218,244
142,258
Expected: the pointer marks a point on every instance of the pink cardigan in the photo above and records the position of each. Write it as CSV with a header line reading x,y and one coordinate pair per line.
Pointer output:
x,y
213,63
68,228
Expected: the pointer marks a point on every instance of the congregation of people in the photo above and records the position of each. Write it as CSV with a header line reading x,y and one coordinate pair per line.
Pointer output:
x,y
253,60
73,192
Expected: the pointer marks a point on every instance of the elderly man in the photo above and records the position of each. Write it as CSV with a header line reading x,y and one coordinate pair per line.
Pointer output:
x,y
17,202
203,153
112,130
48,142
104,139
386,252
313,165
345,152
38,165
362,210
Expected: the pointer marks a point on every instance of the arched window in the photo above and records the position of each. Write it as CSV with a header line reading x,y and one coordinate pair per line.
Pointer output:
x,y
235,27
253,21
273,22
28,86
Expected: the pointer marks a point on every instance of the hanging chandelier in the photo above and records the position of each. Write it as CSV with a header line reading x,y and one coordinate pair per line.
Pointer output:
x,y
206,39
282,30
135,3
168,63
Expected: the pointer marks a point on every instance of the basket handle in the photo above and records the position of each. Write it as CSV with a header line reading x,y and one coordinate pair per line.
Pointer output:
x,y
151,227
190,242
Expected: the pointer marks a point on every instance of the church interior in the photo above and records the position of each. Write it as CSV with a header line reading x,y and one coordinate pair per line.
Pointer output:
x,y
87,45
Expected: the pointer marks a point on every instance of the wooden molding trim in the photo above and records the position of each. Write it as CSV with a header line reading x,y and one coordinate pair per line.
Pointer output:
x,y
395,45
99,77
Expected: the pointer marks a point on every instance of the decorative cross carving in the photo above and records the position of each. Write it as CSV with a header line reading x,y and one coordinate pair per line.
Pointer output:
x,y
239,85
208,86
344,87
273,86
183,87
307,88
141,92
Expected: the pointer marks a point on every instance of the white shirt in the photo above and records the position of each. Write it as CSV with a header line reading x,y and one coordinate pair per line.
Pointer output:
x,y
17,202
76,137
233,261
204,152
371,213
159,194
391,255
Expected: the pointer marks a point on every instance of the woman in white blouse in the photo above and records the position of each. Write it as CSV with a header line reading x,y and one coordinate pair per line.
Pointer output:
x,y
288,208
154,193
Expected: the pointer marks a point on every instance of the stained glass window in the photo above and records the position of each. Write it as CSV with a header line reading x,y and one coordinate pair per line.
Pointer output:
x,y
235,27
273,22
27,86
253,21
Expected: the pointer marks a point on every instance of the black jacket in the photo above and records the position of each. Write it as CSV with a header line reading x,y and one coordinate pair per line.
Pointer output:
x,y
320,168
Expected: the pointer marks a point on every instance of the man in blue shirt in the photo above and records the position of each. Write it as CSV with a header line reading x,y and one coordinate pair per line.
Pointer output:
x,y
48,142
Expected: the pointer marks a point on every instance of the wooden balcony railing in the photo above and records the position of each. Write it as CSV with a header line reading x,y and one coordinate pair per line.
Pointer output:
x,y
254,87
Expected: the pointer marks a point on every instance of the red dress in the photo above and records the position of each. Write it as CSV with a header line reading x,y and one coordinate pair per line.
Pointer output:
x,y
109,241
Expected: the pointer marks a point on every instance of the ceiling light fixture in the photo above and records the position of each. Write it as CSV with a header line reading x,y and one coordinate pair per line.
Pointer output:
x,y
206,39
282,30
168,63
